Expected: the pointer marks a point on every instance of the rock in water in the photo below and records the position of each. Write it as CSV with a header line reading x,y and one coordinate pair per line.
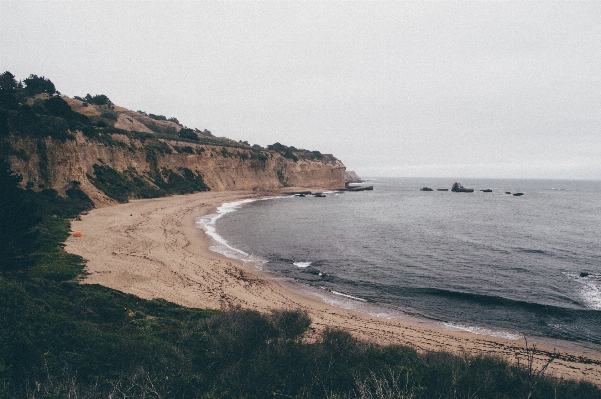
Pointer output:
x,y
458,188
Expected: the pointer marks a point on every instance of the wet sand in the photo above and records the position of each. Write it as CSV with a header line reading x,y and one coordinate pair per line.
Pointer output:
x,y
152,249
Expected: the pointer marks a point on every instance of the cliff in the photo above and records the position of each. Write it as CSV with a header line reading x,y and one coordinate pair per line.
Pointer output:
x,y
124,154
351,177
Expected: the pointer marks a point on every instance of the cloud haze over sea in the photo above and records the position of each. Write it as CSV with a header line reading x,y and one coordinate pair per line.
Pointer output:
x,y
473,89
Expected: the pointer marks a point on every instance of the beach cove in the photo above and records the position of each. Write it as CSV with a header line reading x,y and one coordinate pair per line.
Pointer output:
x,y
152,249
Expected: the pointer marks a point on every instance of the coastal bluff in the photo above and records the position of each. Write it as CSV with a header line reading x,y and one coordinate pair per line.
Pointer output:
x,y
125,154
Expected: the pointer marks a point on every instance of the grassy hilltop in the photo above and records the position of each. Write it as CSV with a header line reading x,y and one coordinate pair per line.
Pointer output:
x,y
60,339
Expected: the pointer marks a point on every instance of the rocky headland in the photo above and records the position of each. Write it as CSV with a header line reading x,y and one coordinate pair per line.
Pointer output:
x,y
113,154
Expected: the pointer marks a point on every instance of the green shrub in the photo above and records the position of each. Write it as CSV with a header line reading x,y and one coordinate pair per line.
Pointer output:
x,y
129,184
111,182
185,150
259,156
290,155
189,134
99,99
110,115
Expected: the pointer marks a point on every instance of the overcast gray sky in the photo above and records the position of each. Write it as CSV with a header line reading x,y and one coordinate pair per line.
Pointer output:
x,y
442,89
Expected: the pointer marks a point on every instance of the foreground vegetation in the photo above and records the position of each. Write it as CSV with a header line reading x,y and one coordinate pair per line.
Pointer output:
x,y
60,339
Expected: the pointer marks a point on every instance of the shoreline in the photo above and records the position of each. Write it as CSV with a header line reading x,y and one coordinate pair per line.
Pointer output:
x,y
152,248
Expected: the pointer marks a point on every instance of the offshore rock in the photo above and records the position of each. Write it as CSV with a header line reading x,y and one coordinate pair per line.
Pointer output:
x,y
458,188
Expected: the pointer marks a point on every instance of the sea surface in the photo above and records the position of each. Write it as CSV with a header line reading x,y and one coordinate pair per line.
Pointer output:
x,y
490,263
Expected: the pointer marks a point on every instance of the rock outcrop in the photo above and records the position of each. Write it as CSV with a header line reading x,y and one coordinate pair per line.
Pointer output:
x,y
351,177
54,164
112,153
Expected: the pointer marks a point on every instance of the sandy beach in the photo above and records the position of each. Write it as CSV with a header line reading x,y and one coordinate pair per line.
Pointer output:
x,y
152,249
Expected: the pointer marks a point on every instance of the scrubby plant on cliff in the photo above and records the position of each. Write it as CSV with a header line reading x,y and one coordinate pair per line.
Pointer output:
x,y
258,156
285,151
130,184
182,181
99,99
25,121
189,134
185,149
158,117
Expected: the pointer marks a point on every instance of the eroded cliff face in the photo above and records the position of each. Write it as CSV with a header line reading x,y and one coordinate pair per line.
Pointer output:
x,y
49,163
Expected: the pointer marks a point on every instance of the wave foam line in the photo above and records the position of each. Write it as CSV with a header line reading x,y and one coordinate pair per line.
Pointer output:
x,y
208,222
348,296
302,265
483,331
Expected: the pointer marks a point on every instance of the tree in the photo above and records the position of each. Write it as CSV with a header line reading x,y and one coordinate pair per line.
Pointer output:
x,y
8,82
35,84
8,88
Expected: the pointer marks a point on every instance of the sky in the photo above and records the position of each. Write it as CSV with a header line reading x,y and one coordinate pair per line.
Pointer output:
x,y
417,89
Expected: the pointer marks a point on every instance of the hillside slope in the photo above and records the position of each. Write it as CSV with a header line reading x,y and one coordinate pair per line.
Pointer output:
x,y
113,154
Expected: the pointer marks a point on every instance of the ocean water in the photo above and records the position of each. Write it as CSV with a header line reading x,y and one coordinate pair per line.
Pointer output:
x,y
490,263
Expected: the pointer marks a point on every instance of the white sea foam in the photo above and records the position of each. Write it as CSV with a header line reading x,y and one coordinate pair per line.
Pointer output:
x,y
348,296
483,331
223,247
207,223
302,264
335,298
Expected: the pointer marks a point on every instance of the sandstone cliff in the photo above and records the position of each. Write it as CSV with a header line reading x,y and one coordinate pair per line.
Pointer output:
x,y
51,163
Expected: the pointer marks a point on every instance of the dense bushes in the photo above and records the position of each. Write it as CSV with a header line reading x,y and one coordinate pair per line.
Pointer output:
x,y
130,184
99,99
52,117
17,221
189,134
97,342
35,84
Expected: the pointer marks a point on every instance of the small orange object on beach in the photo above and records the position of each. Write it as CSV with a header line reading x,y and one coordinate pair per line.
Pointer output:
x,y
78,234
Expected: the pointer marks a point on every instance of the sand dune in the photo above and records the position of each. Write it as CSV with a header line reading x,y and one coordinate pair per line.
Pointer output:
x,y
152,249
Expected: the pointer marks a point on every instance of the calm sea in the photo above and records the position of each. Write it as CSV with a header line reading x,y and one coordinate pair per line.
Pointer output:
x,y
491,263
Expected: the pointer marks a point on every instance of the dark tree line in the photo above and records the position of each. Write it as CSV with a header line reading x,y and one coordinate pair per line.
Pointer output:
x,y
18,218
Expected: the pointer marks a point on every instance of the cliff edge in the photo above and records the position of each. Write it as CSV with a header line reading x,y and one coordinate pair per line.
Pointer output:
x,y
114,154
